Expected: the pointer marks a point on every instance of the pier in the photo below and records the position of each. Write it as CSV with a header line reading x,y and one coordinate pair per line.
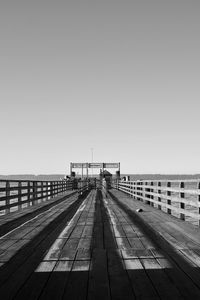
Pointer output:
x,y
80,239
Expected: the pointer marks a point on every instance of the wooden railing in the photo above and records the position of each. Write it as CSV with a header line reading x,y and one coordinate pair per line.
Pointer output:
x,y
82,186
180,198
17,194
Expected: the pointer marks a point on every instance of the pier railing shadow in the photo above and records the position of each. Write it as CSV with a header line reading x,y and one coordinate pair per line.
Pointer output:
x,y
107,277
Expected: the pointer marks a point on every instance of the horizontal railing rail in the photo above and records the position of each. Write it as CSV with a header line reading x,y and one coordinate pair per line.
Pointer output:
x,y
18,194
83,185
180,198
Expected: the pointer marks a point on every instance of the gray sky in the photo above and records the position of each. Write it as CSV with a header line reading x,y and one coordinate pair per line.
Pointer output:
x,y
121,77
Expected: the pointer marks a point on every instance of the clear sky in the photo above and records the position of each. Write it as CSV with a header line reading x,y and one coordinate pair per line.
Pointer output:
x,y
121,77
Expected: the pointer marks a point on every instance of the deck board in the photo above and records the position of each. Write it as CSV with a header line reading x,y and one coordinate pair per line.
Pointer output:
x,y
100,248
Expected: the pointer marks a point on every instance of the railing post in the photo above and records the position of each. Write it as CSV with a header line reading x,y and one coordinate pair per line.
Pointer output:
x,y
131,188
34,192
29,193
159,192
45,190
57,188
51,188
42,190
198,187
146,195
7,197
169,211
62,182
19,198
151,196
182,205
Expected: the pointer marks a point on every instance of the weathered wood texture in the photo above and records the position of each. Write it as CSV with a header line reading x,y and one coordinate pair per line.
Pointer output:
x,y
179,198
18,194
99,247
15,195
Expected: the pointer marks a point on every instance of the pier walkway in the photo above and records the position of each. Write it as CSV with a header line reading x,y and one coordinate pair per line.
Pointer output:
x,y
97,246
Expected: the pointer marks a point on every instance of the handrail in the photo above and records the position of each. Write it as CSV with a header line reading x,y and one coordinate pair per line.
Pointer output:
x,y
17,194
181,198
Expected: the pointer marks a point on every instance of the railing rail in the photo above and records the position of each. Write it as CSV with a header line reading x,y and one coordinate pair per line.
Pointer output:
x,y
180,198
82,186
17,194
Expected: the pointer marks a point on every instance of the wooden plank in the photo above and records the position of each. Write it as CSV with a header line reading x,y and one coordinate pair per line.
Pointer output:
x,y
5,244
87,231
83,254
123,243
98,287
55,286
186,287
128,229
109,241
14,276
67,254
163,285
35,284
85,243
147,242
119,282
141,283
76,287
118,230
15,219
136,243
6,255
97,241
71,244
77,232
192,256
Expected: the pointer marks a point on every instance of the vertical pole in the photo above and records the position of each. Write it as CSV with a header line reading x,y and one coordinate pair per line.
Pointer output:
x,y
42,190
152,197
29,193
87,176
169,211
198,187
34,192
70,169
159,192
182,205
62,186
134,190
131,188
51,188
146,196
7,197
56,188
19,195
87,170
46,190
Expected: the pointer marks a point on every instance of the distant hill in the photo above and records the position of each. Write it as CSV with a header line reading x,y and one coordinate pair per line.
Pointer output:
x,y
162,176
41,177
49,177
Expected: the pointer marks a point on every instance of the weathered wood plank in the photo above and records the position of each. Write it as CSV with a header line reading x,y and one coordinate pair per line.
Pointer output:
x,y
119,283
98,287
141,283
163,285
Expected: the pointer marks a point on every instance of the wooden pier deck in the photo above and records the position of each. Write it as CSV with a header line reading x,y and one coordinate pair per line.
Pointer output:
x,y
98,247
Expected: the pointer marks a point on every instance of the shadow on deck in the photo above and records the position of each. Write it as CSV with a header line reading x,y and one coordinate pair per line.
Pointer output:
x,y
98,248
